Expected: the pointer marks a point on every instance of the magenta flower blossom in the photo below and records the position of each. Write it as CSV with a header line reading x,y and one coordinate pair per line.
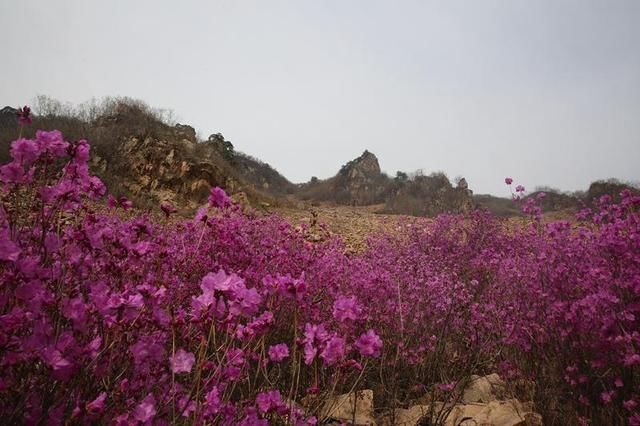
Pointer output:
x,y
508,180
146,410
182,361
24,115
52,142
213,401
334,350
286,285
81,151
369,344
314,337
607,396
519,188
345,308
270,400
62,367
8,249
25,151
278,352
97,405
219,198
221,281
202,214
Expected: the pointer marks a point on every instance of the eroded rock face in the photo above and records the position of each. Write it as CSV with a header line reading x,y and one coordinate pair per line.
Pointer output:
x,y
177,171
360,182
484,389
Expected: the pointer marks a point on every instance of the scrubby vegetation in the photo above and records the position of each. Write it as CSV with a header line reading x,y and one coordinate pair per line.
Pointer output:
x,y
109,314
112,123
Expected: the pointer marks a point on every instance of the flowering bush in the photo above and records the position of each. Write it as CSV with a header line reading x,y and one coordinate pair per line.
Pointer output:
x,y
230,318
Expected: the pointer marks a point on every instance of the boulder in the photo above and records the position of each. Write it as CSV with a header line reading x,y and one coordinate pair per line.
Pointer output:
x,y
484,389
347,407
495,413
483,403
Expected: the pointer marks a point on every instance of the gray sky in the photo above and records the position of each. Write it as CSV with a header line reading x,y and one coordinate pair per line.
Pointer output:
x,y
545,91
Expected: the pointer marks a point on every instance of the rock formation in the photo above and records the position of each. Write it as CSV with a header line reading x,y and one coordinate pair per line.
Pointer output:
x,y
483,402
360,182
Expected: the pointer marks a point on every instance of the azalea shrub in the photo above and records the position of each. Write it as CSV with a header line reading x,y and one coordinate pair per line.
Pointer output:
x,y
112,315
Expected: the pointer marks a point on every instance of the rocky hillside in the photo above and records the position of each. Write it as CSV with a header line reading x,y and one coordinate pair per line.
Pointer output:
x,y
360,182
140,155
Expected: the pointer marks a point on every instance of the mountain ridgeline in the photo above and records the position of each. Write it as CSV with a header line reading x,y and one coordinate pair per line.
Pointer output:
x,y
141,155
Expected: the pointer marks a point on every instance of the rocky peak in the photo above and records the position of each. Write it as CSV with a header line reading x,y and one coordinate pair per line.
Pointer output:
x,y
8,117
364,166
8,110
359,181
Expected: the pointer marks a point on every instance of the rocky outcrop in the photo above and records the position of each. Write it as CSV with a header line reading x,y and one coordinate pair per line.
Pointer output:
x,y
8,117
174,170
360,182
355,408
483,402
496,413
483,389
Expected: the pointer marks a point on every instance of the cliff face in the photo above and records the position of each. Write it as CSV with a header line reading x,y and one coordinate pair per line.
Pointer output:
x,y
176,170
360,182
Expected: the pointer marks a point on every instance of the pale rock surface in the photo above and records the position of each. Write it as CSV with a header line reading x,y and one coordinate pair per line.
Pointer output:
x,y
484,389
341,408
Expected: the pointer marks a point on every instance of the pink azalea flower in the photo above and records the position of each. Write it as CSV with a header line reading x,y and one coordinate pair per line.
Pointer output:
x,y
146,410
81,151
345,308
267,401
182,361
334,350
221,281
314,337
24,115
213,401
97,405
8,249
25,151
219,198
508,181
278,352
607,397
630,404
369,344
52,143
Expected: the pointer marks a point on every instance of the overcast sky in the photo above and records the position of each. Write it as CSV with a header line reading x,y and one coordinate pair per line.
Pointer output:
x,y
545,91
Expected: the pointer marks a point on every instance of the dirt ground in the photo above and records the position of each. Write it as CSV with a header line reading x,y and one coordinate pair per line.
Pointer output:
x,y
352,224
